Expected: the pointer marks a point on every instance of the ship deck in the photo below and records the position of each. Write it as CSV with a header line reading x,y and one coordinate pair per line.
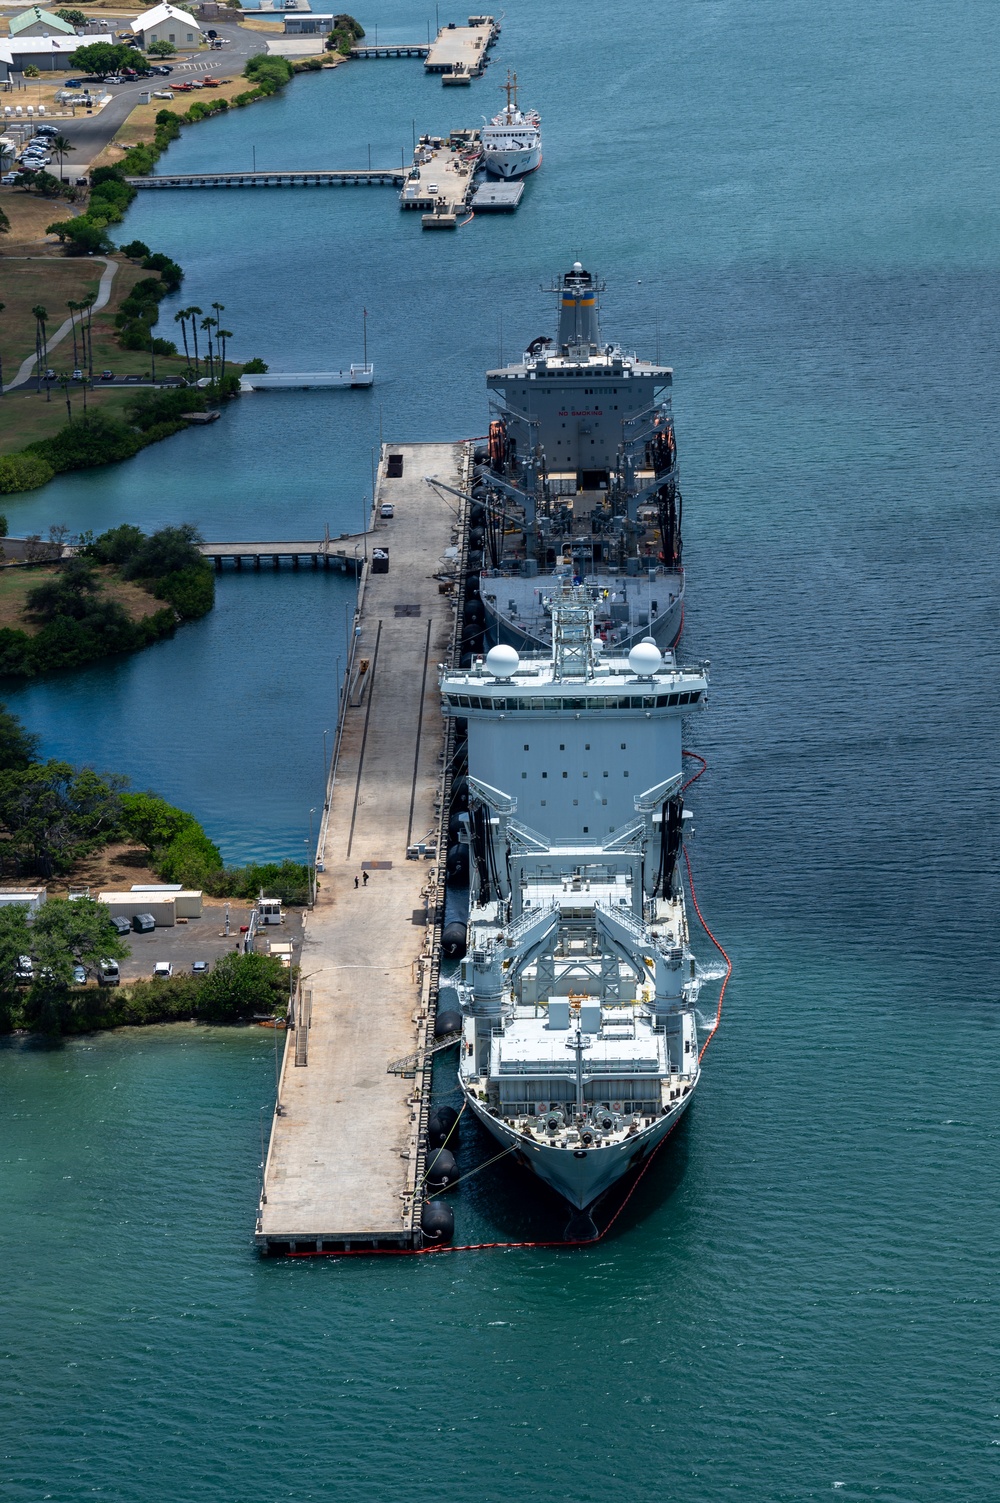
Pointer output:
x,y
625,603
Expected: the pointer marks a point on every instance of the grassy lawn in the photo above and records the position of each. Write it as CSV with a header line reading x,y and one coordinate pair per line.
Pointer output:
x,y
24,418
17,580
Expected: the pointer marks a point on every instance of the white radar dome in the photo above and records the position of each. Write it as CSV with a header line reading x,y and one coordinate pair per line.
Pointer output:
x,y
644,659
502,661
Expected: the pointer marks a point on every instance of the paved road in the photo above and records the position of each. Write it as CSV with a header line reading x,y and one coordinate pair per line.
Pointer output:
x,y
91,133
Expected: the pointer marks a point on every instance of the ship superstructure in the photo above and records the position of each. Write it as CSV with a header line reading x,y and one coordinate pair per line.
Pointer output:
x,y
579,484
512,141
579,1048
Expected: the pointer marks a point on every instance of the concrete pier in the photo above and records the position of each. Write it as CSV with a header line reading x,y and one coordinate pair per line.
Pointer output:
x,y
344,1165
461,50
441,180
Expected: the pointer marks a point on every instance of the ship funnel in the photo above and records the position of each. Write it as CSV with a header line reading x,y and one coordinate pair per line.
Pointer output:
x,y
579,332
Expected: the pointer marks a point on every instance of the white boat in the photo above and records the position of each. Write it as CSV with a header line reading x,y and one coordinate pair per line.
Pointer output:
x,y
512,141
579,1048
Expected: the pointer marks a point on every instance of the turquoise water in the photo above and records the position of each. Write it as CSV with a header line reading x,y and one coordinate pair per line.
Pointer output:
x,y
800,1301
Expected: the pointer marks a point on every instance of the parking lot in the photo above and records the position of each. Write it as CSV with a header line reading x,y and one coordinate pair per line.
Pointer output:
x,y
205,939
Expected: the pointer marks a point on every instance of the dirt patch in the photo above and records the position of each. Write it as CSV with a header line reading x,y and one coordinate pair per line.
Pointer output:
x,y
16,581
112,869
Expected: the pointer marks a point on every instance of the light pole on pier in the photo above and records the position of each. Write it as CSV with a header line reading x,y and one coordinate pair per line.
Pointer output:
x,y
312,863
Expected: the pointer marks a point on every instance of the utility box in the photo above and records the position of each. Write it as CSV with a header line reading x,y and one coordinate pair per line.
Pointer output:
x,y
128,904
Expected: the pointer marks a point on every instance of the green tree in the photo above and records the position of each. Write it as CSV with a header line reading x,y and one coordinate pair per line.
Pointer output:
x,y
241,985
15,941
74,17
66,933
166,551
256,366
18,747
81,236
161,49
62,146
136,250
74,931
102,58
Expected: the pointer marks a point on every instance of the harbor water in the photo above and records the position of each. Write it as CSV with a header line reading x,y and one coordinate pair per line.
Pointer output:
x,y
800,1299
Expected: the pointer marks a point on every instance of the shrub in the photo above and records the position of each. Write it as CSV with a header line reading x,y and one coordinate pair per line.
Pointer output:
x,y
135,250
23,472
241,985
94,440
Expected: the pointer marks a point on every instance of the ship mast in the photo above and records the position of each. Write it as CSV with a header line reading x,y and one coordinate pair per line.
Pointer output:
x,y
510,87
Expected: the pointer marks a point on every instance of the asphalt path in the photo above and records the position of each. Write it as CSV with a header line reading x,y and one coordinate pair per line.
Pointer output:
x,y
91,133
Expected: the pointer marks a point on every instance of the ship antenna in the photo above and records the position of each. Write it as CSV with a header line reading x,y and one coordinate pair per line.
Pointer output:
x,y
511,88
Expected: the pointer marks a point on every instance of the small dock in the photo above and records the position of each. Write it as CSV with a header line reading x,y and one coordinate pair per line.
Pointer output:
x,y
440,182
354,376
347,553
459,52
497,197
345,1164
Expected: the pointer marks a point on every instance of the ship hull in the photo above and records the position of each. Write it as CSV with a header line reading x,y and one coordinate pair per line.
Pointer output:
x,y
509,163
581,1179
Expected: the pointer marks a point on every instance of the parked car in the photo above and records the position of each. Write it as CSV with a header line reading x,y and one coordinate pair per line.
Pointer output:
x,y
114,79
163,94
121,924
10,178
108,376
199,967
47,130
74,83
162,970
108,973
79,975
143,923
387,510
163,69
50,375
82,182
78,375
25,970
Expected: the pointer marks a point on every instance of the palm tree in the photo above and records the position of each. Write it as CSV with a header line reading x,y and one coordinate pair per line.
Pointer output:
x,y
208,324
74,308
62,146
40,316
2,307
65,388
222,336
87,305
193,314
182,318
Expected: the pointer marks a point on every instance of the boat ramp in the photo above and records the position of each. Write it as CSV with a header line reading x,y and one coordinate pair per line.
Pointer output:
x,y
345,1164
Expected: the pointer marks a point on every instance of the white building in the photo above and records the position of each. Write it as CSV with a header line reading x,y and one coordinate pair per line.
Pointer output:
x,y
28,898
165,23
45,52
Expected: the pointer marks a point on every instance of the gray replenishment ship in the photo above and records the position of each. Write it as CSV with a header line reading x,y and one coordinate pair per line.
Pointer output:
x,y
579,1047
578,484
